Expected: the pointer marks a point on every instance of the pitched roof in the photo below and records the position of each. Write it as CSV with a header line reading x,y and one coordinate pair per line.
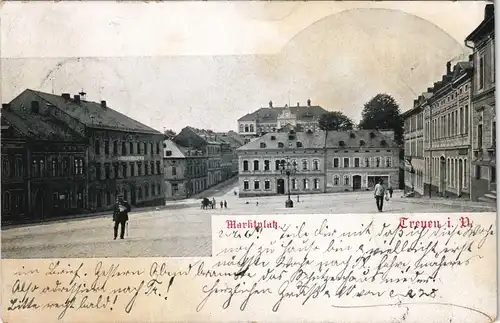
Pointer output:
x,y
40,127
271,114
177,152
359,138
209,136
313,140
92,114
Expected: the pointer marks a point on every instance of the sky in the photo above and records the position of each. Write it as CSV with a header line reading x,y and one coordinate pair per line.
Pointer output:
x,y
206,64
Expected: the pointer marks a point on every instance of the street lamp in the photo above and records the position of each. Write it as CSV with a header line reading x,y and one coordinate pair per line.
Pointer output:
x,y
288,168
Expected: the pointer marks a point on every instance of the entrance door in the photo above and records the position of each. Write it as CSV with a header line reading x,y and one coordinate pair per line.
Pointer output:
x,y
281,186
39,206
493,176
356,182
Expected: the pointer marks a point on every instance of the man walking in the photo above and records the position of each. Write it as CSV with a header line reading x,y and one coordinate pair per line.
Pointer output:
x,y
379,193
120,216
390,190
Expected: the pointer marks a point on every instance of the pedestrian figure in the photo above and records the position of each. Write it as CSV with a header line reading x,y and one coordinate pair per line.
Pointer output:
x,y
298,199
257,203
120,216
234,193
213,203
225,204
221,204
390,190
379,193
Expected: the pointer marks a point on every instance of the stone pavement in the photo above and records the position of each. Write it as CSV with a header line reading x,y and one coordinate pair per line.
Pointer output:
x,y
187,231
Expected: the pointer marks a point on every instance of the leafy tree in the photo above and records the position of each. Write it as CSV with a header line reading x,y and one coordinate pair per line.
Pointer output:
x,y
382,112
169,134
335,120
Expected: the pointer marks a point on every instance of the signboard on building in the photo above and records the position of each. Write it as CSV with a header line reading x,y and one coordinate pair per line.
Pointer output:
x,y
131,158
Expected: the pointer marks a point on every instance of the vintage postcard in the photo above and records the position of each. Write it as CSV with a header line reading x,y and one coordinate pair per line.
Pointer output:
x,y
248,162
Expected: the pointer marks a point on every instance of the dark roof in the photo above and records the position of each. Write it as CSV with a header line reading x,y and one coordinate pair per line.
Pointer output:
x,y
353,139
209,136
271,114
485,27
40,127
313,140
92,114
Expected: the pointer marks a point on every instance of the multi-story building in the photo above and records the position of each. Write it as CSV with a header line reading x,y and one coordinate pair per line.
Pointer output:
x,y
482,41
260,159
208,142
229,154
414,167
124,156
447,135
44,164
272,119
356,160
185,171
330,161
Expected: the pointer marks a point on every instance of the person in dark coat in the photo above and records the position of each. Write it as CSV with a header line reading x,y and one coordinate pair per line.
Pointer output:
x,y
120,216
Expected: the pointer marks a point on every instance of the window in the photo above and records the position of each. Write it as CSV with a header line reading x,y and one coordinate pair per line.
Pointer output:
x,y
294,184
316,184
152,149
481,72
494,133
480,136
245,165
304,164
138,148
146,169
132,169
263,145
115,147
466,119
131,148
146,190
335,180
346,162
267,185
106,147
108,198
5,168
152,168
124,148
305,183
336,162
157,148
266,165
255,165
346,180
299,144
124,170
158,168
256,185
356,162
97,147
107,171
153,190
174,171
280,145
367,161
54,167
316,164
175,189
388,162
98,171
145,148
241,128
245,185
252,128
19,167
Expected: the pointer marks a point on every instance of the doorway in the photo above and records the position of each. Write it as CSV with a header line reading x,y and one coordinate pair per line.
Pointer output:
x,y
280,187
493,174
39,206
356,182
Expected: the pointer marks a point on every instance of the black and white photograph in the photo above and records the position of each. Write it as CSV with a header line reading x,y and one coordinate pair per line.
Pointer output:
x,y
124,131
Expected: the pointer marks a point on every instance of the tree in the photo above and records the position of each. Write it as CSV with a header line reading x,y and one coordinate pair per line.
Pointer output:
x,y
169,134
382,112
335,120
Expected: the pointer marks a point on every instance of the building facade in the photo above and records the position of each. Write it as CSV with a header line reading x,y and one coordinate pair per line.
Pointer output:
x,y
414,167
259,161
185,171
272,119
325,162
44,165
124,157
482,41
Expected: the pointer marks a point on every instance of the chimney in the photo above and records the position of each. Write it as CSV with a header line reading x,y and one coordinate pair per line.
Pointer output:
x,y
6,106
415,102
309,102
35,107
489,11
103,104
270,104
82,95
66,96
448,68
471,57
77,99
429,90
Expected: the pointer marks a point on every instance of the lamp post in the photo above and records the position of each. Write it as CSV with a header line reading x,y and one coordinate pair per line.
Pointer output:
x,y
288,168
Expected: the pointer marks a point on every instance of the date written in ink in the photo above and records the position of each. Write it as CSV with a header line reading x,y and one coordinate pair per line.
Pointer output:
x,y
406,223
